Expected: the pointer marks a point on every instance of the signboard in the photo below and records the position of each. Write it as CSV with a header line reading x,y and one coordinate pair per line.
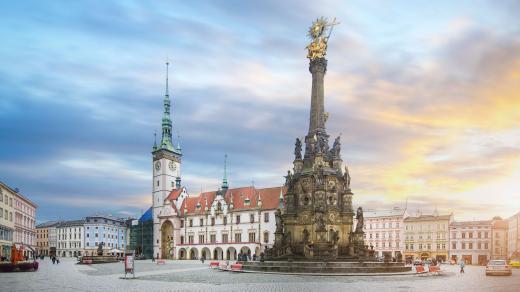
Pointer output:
x,y
129,264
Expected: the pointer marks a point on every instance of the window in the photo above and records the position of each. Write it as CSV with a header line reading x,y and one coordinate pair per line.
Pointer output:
x,y
1,213
266,237
470,245
224,238
213,238
252,218
479,234
479,245
252,237
454,245
463,245
486,246
97,235
201,222
190,239
182,239
266,217
182,223
201,238
212,221
157,183
470,234
238,219
225,220
88,235
191,222
238,237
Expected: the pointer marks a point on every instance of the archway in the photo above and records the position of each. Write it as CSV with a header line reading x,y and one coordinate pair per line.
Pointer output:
x,y
425,256
167,240
194,253
247,251
231,254
218,253
205,253
182,254
257,251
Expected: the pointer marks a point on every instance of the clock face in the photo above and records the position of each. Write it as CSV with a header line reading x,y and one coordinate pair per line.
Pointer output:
x,y
172,165
157,166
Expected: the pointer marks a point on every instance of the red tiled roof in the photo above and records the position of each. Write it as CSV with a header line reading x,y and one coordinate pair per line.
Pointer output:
x,y
270,199
174,194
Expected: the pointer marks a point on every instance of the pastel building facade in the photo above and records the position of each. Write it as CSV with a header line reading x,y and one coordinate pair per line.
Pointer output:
x,y
384,230
513,236
6,220
25,224
499,239
110,230
471,241
427,236
45,245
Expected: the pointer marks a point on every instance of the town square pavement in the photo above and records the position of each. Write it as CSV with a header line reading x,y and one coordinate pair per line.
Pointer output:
x,y
195,276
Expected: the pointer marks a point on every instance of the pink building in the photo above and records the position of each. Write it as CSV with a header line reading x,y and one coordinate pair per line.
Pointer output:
x,y
25,224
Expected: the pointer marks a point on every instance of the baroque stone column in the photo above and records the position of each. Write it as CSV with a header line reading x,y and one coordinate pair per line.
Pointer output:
x,y
317,67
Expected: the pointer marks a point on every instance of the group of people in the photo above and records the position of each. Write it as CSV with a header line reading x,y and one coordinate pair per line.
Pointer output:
x,y
55,260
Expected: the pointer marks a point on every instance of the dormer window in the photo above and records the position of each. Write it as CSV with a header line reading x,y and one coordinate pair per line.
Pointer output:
x,y
198,205
247,202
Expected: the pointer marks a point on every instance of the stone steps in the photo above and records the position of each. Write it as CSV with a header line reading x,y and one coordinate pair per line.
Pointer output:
x,y
326,267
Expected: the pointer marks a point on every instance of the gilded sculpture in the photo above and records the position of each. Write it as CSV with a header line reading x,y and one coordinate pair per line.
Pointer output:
x,y
319,33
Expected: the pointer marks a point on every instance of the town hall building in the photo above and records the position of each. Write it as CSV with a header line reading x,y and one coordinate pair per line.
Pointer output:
x,y
219,224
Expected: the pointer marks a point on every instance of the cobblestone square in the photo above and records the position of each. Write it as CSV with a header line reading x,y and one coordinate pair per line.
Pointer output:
x,y
195,276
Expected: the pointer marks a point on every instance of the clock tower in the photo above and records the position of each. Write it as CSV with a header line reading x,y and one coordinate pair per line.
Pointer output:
x,y
166,169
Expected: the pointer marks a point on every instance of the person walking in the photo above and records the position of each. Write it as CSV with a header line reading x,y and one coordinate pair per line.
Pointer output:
x,y
53,260
462,266
153,259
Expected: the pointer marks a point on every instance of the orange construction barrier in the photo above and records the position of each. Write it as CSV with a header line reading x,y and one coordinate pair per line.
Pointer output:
x,y
236,267
419,269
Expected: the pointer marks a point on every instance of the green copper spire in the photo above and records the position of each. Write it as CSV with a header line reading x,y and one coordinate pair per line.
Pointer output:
x,y
166,141
225,185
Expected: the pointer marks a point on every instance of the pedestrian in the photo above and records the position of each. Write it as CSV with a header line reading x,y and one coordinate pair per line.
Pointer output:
x,y
58,261
153,259
462,266
53,260
202,258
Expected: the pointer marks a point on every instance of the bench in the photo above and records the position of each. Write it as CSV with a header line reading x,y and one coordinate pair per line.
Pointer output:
x,y
236,267
161,262
214,265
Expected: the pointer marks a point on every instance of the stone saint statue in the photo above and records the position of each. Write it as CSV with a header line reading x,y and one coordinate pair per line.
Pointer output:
x,y
336,148
346,175
305,236
298,149
279,221
360,220
320,222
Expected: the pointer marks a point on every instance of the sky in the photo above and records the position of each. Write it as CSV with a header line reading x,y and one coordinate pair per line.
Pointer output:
x,y
426,96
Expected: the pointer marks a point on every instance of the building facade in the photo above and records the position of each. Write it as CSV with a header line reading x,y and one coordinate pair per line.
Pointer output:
x,y
513,236
25,224
384,230
6,221
499,233
107,229
471,241
70,238
43,246
427,236
141,235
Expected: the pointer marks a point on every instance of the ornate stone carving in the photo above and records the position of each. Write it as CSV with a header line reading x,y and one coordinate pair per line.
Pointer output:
x,y
298,149
360,220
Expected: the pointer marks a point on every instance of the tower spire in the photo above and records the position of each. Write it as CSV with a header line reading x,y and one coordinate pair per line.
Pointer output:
x,y
166,140
225,185
154,140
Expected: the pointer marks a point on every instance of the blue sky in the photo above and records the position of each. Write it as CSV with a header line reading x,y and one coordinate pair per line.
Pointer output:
x,y
424,93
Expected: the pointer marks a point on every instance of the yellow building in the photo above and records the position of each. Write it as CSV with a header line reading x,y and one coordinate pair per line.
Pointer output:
x,y
427,236
6,220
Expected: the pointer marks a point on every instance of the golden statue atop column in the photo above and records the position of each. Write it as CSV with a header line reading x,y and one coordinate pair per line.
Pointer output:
x,y
319,33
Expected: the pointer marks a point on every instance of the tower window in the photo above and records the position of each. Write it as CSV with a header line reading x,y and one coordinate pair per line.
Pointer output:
x,y
157,183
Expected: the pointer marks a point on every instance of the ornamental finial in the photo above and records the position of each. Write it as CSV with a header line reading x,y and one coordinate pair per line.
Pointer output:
x,y
319,33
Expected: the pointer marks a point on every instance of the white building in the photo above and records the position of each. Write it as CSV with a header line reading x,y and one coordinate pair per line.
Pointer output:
x,y
70,238
471,241
384,230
